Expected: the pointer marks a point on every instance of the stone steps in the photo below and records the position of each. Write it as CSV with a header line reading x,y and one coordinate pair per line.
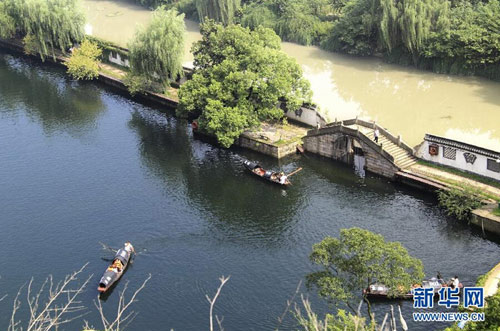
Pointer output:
x,y
402,158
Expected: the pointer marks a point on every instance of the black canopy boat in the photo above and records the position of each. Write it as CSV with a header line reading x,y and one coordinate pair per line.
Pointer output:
x,y
271,176
117,267
381,291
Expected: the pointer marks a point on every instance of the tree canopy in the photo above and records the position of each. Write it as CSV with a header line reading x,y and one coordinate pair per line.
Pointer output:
x,y
240,79
84,62
222,11
157,49
357,259
7,25
47,25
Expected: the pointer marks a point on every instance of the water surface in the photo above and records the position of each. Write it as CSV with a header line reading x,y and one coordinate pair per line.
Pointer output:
x,y
80,165
407,101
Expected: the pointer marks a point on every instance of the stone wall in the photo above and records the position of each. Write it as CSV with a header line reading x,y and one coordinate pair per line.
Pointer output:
x,y
267,149
340,146
484,219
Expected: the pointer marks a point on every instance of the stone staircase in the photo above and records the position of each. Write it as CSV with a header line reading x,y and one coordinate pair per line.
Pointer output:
x,y
402,154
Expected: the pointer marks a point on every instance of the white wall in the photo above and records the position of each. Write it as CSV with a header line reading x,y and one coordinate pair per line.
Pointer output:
x,y
306,116
478,167
118,59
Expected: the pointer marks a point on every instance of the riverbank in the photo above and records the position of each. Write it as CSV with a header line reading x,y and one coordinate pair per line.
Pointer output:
x,y
408,101
276,140
282,140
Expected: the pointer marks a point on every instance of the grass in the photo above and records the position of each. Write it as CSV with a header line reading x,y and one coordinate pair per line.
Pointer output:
x,y
110,73
496,212
464,174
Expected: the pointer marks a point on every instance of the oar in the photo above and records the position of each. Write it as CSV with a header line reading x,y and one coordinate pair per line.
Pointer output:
x,y
106,247
294,172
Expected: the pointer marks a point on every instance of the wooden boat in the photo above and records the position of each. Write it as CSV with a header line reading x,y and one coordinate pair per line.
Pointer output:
x,y
116,268
381,291
271,176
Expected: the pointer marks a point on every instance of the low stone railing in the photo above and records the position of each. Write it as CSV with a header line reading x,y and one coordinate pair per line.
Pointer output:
x,y
373,125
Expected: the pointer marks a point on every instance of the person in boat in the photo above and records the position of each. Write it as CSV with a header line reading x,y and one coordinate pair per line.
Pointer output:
x,y
282,178
116,266
455,283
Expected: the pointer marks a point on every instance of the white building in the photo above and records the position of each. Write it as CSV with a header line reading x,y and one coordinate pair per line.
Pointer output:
x,y
119,59
460,155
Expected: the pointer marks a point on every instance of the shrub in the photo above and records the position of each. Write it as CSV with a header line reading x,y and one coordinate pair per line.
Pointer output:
x,y
84,62
459,202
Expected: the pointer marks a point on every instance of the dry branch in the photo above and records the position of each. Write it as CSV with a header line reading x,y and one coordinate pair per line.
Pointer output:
x,y
123,318
223,281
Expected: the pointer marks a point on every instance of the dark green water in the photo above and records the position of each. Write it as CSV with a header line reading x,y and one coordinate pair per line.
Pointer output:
x,y
80,164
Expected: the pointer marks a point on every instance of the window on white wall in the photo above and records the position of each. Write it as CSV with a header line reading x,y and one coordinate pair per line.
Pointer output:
x,y
493,165
450,153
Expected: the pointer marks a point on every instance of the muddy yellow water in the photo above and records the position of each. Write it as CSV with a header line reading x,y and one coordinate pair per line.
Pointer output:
x,y
406,101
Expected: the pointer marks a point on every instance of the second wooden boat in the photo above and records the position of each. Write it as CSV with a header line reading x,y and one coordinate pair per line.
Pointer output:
x,y
117,267
274,177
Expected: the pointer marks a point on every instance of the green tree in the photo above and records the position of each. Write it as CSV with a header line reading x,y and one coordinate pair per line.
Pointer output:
x,y
410,22
222,11
7,25
459,202
357,259
48,24
241,77
473,39
84,62
299,22
355,32
157,50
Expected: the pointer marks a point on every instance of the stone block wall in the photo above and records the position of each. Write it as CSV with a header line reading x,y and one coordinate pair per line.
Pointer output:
x,y
338,146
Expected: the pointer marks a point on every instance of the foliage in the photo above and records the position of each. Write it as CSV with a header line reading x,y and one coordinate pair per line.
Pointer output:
x,y
409,23
135,83
496,212
473,38
222,11
357,259
341,322
47,24
241,77
491,317
107,46
7,24
355,32
459,202
157,50
297,23
84,62
256,14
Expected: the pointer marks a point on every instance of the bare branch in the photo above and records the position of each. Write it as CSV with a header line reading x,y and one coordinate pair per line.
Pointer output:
x,y
60,302
223,281
121,315
288,305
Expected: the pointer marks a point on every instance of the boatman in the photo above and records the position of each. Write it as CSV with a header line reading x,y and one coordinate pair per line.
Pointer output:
x,y
282,179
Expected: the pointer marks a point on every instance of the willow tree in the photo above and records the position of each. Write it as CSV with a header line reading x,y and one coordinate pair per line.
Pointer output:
x,y
222,11
157,50
48,25
7,25
411,22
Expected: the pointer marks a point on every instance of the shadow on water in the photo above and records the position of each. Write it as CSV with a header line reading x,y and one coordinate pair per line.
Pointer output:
x,y
48,97
214,179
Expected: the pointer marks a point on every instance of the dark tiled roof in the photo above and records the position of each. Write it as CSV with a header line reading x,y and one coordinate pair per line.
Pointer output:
x,y
462,146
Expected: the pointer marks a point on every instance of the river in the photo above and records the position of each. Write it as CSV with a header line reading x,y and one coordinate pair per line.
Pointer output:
x,y
406,101
81,164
